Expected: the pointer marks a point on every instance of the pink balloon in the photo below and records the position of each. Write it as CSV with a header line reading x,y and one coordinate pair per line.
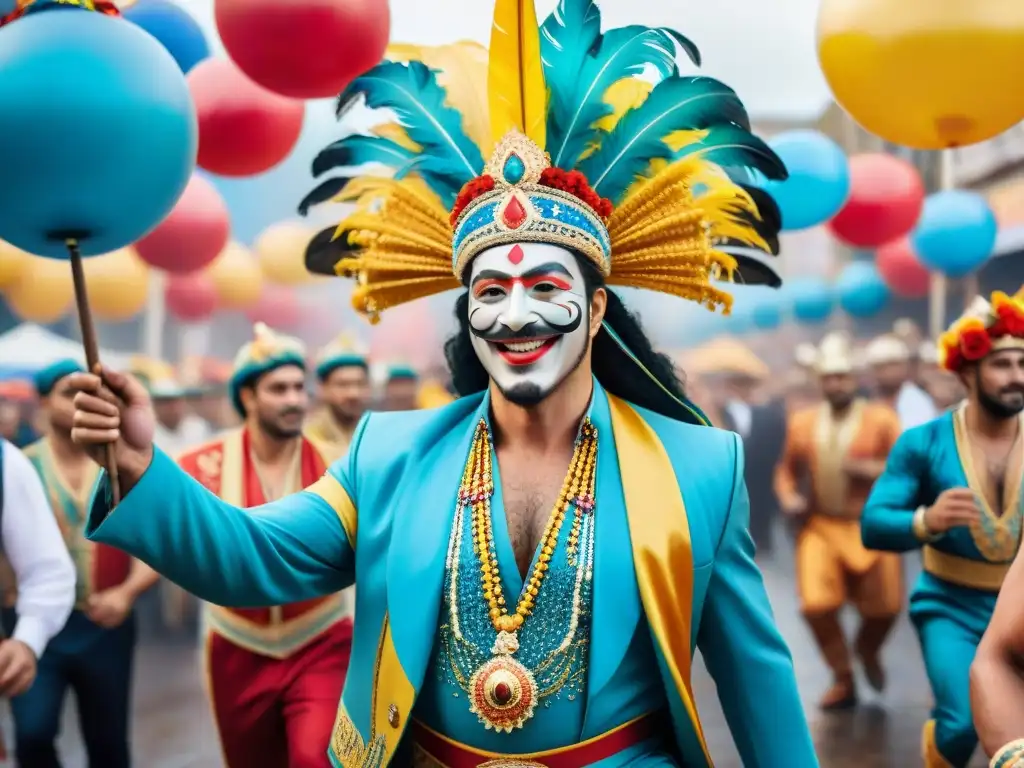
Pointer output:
x,y
244,129
192,298
277,307
192,234
901,269
304,49
886,197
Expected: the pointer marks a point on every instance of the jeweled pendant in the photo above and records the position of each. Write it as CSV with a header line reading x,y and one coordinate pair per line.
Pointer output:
x,y
513,215
514,169
503,694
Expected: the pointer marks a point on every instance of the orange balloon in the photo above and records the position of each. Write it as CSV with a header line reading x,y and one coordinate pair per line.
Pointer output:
x,y
44,293
926,74
237,277
118,284
281,250
13,262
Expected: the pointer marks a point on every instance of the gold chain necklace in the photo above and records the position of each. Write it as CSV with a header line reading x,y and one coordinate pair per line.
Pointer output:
x,y
503,692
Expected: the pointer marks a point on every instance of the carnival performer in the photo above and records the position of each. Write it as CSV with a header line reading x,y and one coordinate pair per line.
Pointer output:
x,y
275,673
344,375
952,488
537,560
401,388
997,685
94,652
839,448
892,365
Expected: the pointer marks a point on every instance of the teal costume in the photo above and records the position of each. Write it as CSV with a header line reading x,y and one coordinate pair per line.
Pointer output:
x,y
392,501
953,600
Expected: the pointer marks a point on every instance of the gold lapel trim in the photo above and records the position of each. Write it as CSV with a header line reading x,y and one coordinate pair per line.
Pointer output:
x,y
997,536
832,441
662,549
232,486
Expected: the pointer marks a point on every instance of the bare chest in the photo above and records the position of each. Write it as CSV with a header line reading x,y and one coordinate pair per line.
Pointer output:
x,y
529,494
999,469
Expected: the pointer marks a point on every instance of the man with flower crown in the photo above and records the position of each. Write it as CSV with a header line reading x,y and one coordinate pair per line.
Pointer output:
x,y
274,672
951,488
537,561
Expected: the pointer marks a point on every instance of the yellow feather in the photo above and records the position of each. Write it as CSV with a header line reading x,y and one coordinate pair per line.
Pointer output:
x,y
397,134
516,90
626,94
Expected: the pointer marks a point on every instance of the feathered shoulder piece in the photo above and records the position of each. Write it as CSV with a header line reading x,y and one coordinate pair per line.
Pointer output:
x,y
595,142
986,327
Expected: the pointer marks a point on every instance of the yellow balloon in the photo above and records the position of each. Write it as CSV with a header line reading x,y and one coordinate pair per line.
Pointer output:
x,y
281,250
44,293
237,277
117,284
926,74
13,262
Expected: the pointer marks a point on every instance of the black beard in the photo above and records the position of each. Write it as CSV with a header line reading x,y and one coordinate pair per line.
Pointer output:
x,y
528,394
276,432
996,408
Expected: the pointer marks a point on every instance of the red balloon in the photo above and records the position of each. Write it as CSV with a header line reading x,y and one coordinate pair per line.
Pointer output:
x,y
277,307
902,270
886,196
192,234
243,129
304,49
192,298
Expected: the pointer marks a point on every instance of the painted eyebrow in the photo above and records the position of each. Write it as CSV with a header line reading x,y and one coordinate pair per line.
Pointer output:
x,y
551,267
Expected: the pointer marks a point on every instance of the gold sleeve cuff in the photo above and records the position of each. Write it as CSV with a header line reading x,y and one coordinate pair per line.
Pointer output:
x,y
1009,756
334,493
921,529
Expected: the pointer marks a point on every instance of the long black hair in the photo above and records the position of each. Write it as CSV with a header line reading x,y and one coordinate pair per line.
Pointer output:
x,y
615,371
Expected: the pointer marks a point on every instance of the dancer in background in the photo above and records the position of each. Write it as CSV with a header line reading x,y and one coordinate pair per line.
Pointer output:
x,y
892,367
344,375
952,488
839,447
93,654
275,674
401,388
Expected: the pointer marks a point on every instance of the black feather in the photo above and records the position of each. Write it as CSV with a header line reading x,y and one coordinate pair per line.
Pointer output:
x,y
324,192
325,252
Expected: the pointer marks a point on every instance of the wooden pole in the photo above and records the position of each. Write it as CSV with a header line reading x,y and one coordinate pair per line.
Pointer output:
x,y
92,348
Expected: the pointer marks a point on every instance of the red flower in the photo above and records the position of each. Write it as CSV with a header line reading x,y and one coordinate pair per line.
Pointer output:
x,y
1009,321
472,189
575,183
975,343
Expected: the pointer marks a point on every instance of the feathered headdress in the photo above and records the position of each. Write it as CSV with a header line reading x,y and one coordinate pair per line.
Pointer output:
x,y
596,143
986,327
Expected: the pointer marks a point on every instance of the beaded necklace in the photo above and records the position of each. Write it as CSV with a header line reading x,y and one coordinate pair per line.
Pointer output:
x,y
503,692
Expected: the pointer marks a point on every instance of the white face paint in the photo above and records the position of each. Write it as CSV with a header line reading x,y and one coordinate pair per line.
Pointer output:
x,y
528,315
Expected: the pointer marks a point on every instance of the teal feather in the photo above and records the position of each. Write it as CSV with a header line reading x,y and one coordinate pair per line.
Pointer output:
x,y
676,104
567,36
411,91
579,102
739,152
357,150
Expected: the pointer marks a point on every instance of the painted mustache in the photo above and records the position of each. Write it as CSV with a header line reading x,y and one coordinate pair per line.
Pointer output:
x,y
499,333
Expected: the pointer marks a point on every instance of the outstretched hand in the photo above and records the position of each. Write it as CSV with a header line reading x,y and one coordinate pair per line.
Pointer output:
x,y
114,408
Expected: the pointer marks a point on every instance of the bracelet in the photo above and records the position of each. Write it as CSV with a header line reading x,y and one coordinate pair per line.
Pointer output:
x,y
920,527
1009,756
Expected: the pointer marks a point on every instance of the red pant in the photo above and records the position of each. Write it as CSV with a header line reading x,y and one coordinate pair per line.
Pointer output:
x,y
273,713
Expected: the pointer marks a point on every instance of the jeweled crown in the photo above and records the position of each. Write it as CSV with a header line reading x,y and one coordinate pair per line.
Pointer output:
x,y
511,203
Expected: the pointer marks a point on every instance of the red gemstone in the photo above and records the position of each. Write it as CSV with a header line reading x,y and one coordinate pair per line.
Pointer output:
x,y
503,693
514,214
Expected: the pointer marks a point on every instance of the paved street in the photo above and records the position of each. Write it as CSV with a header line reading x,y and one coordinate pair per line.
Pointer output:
x,y
173,727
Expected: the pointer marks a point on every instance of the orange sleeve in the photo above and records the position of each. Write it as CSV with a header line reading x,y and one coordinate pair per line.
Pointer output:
x,y
788,465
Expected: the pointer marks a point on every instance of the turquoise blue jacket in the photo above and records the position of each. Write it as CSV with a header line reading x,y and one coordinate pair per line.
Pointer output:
x,y
381,518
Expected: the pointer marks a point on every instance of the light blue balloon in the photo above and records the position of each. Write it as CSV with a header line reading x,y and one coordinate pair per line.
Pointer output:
x,y
956,233
766,315
862,292
813,300
176,30
98,133
819,179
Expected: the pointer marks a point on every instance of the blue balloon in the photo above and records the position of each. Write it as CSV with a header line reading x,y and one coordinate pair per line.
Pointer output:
x,y
766,315
956,233
819,179
862,292
176,30
813,300
8,7
98,133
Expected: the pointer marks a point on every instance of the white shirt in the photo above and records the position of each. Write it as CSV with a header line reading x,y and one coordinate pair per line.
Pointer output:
x,y
192,432
914,406
37,553
742,416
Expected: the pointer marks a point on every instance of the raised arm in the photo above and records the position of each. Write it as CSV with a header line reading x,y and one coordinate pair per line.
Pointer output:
x,y
893,516
300,547
997,683
745,653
